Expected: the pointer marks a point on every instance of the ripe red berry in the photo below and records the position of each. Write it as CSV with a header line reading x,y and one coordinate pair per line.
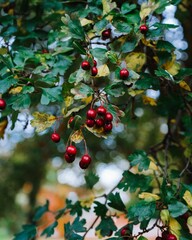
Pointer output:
x,y
143,29
85,65
90,122
106,34
85,161
44,51
91,114
2,104
69,158
108,117
94,63
70,120
171,236
101,110
124,73
94,71
55,137
165,234
158,238
124,231
108,127
99,122
71,150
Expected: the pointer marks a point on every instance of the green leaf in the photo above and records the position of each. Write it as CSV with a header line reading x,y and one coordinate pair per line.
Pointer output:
x,y
78,225
165,45
147,81
28,89
142,238
20,101
91,179
112,56
101,25
48,231
126,8
71,230
139,158
100,209
123,27
141,211
79,48
51,95
133,181
184,72
6,84
115,89
177,208
40,211
163,73
129,45
116,202
99,53
75,208
28,233
106,226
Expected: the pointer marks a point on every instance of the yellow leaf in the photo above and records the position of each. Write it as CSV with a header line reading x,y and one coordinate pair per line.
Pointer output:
x,y
68,101
173,69
134,93
99,132
15,90
188,198
149,100
165,216
3,50
87,202
189,221
149,43
85,21
42,121
184,85
149,196
174,227
108,5
3,125
77,136
152,164
103,71
87,100
98,234
136,60
147,8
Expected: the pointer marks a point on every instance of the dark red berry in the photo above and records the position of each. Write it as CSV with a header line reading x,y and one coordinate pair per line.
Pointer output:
x,y
106,34
91,114
94,63
124,73
171,236
101,110
143,29
94,71
85,161
2,104
70,120
85,65
108,127
124,231
90,122
185,215
108,117
71,150
45,51
69,158
165,234
99,122
158,238
55,137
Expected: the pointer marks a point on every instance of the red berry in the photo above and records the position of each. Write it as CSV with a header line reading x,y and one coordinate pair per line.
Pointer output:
x,y
55,137
143,29
124,73
90,122
85,65
158,238
171,236
108,117
69,158
44,51
85,161
2,104
185,215
106,34
165,234
124,231
94,63
94,71
108,127
91,114
71,120
71,150
99,122
101,110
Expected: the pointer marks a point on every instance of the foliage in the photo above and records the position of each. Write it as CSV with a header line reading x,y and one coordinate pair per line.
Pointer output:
x,y
44,44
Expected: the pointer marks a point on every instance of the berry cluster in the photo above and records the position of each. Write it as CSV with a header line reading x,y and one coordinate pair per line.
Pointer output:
x,y
166,235
2,104
85,65
100,118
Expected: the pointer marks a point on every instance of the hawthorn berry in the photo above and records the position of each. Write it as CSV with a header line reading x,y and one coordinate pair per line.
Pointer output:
x,y
143,29
99,122
70,120
108,127
85,161
55,137
85,65
171,236
44,51
108,117
94,71
90,122
71,150
124,231
165,234
106,34
124,73
101,110
2,104
69,158
94,63
158,238
91,114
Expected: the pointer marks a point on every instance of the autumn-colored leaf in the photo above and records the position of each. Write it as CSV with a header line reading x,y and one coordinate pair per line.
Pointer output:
x,y
77,136
3,125
15,90
149,100
136,60
188,198
185,86
149,196
103,71
42,121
